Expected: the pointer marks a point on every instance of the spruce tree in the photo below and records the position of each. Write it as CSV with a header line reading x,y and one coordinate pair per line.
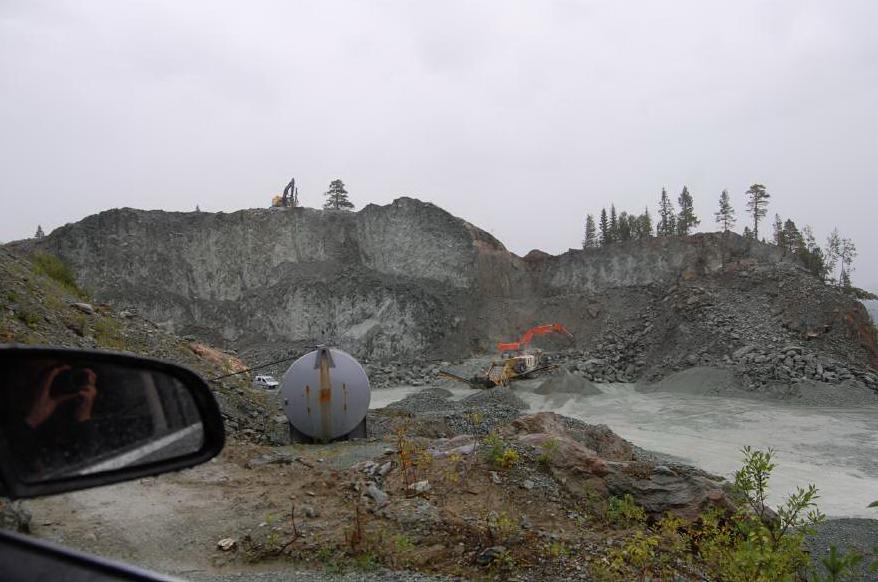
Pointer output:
x,y
644,225
337,196
605,228
39,234
623,230
614,224
757,205
777,231
812,254
686,219
747,232
792,239
725,216
590,241
666,224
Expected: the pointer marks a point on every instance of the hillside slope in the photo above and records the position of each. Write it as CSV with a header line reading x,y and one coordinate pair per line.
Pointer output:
x,y
40,305
409,281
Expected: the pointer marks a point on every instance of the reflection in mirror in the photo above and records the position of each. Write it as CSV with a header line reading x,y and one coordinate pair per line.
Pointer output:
x,y
75,416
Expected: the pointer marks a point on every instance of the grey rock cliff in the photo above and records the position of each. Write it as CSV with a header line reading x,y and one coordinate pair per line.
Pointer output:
x,y
395,282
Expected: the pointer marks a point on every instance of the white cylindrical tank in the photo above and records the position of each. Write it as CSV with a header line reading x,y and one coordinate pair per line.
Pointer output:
x,y
326,394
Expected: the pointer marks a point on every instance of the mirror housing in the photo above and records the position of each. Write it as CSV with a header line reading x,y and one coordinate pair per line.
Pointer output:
x,y
72,419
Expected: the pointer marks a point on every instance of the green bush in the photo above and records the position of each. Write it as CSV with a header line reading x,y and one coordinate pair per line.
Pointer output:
x,y
499,454
28,317
624,511
549,450
754,545
55,269
108,333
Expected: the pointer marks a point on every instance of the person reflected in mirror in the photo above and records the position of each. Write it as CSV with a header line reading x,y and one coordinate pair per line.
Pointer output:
x,y
55,430
63,384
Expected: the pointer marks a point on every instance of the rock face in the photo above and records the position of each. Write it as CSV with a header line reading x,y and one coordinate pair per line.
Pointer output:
x,y
592,458
408,280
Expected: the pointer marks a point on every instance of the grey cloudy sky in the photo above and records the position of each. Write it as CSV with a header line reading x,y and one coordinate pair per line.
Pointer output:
x,y
518,116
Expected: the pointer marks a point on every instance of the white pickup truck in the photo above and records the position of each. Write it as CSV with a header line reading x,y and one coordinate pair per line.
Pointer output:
x,y
266,382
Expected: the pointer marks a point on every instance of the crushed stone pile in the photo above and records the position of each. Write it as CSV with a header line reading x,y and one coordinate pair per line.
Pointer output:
x,y
707,381
431,412
700,381
567,383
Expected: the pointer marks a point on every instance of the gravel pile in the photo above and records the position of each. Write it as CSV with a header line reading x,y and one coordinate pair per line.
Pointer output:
x,y
707,381
697,381
567,383
494,407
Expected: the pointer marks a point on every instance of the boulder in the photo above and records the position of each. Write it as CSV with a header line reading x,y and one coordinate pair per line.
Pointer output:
x,y
567,454
587,459
596,437
685,494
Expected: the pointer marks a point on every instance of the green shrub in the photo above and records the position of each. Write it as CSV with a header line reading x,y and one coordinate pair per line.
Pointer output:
x,y
402,542
28,317
752,545
55,269
499,453
549,450
624,511
108,333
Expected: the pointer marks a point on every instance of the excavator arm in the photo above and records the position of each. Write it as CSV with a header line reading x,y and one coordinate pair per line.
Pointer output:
x,y
534,331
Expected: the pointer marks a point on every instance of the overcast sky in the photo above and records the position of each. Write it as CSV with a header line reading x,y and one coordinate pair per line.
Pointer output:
x,y
518,116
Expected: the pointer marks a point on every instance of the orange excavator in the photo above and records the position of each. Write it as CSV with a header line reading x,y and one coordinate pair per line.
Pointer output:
x,y
516,361
529,335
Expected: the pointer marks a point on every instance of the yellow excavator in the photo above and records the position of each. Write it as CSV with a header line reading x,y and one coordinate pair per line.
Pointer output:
x,y
516,361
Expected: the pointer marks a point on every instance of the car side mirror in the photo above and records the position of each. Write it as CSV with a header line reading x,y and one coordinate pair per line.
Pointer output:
x,y
73,419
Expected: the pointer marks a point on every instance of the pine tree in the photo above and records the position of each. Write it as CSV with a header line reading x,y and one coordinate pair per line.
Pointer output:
x,y
686,219
624,229
748,233
667,221
39,234
725,216
337,196
590,241
197,208
777,231
757,205
614,224
605,228
644,225
811,254
791,238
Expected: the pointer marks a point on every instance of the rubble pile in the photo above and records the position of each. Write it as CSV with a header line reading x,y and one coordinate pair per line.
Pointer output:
x,y
431,412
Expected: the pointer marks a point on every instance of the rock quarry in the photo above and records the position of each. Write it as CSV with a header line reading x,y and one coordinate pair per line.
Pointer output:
x,y
407,286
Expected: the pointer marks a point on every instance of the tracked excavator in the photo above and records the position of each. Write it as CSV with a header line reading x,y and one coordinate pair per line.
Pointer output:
x,y
516,359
